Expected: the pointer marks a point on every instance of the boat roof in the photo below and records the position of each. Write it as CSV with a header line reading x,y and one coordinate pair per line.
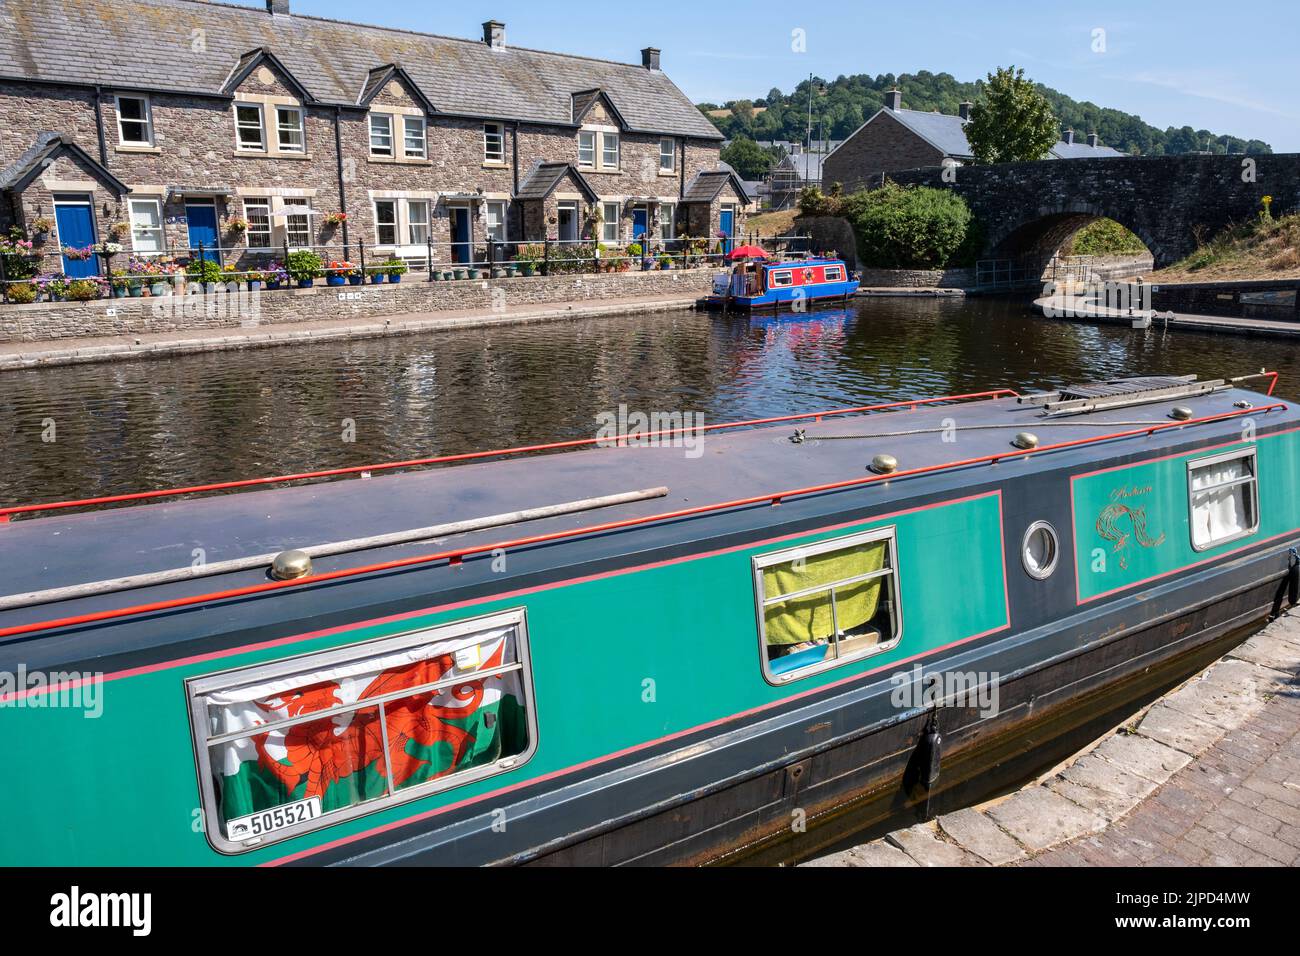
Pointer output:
x,y
61,549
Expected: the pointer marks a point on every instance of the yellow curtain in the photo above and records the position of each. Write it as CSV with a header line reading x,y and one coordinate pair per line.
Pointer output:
x,y
809,618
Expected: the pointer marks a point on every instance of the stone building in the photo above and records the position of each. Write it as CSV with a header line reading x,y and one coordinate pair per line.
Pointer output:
x,y
166,124
895,139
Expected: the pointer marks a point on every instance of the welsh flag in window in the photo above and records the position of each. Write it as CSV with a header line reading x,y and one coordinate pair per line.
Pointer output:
x,y
338,730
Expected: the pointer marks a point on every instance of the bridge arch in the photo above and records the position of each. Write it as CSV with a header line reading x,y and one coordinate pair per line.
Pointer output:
x,y
1044,231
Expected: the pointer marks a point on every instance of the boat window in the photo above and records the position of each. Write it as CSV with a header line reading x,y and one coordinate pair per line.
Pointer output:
x,y
827,604
833,274
781,278
1224,498
289,747
1041,550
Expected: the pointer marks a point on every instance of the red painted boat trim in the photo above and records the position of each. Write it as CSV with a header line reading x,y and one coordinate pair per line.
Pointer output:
x,y
471,456
456,556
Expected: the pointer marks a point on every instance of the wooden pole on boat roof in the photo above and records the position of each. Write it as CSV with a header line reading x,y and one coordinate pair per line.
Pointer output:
x,y
154,578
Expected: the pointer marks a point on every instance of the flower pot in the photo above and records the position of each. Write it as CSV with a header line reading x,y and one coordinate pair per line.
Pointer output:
x,y
475,274
354,280
135,291
498,272
530,270
461,273
160,288
119,292
336,280
273,284
306,283
394,277
254,285
512,271
377,278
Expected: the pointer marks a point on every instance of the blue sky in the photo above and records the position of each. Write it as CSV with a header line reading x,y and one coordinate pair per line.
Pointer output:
x,y
1227,67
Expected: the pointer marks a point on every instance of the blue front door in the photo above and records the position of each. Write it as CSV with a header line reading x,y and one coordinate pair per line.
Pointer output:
x,y
202,222
640,219
726,222
459,235
76,228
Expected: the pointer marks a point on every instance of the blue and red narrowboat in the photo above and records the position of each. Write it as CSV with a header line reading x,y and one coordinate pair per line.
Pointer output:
x,y
762,284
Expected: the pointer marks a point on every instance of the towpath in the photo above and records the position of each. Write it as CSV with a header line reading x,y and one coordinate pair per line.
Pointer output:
x,y
1207,776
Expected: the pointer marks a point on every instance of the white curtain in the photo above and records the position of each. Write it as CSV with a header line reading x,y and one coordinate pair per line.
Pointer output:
x,y
1219,513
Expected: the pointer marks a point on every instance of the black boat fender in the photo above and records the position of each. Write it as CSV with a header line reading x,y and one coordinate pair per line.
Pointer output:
x,y
1289,589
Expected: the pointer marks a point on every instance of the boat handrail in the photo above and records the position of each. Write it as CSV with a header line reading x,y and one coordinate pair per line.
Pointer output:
x,y
366,470
457,555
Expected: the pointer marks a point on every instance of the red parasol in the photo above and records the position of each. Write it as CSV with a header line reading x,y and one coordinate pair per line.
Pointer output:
x,y
747,252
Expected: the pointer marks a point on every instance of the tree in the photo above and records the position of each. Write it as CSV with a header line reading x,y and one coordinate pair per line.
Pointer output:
x,y
747,158
1012,122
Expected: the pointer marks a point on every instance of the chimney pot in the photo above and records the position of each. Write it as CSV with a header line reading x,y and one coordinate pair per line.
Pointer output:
x,y
494,34
963,110
277,6
894,100
1093,140
650,58
1069,136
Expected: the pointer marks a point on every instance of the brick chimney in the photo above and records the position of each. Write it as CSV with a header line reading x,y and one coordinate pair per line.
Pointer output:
x,y
1093,140
963,110
277,6
650,58
894,100
494,34
1068,138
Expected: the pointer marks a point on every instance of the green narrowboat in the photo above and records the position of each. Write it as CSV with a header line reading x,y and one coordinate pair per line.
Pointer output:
x,y
695,646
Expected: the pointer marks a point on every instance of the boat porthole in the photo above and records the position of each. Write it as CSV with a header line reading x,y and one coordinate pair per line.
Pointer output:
x,y
1040,551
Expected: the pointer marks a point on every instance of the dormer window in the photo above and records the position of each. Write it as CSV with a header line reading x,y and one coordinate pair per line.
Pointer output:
x,y
414,144
134,123
289,129
249,132
381,134
609,151
587,148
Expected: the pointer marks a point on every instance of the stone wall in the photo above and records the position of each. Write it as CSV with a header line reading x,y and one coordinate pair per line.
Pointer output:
x,y
1168,201
917,278
1264,299
51,321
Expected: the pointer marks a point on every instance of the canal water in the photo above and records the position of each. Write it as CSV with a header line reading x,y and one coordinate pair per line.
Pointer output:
x,y
82,431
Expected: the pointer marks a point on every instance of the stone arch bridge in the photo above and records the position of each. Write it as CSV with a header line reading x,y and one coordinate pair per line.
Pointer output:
x,y
1170,202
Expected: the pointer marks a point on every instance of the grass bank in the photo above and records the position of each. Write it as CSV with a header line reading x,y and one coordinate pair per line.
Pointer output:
x,y
1260,249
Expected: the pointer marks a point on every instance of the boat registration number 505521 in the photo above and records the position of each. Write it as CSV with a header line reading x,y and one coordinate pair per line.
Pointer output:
x,y
277,818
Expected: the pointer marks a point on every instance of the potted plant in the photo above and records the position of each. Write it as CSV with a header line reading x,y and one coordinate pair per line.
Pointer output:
x,y
41,228
336,219
276,275
54,286
119,231
304,267
22,293
117,283
78,253
395,269
376,273
338,272
84,290
665,261
206,273
236,224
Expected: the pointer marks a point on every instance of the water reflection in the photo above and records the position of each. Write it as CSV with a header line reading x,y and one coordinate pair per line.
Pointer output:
x,y
149,424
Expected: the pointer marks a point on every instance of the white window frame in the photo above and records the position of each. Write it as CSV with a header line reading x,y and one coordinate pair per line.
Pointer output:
x,y
780,279
608,222
838,273
501,225
590,162
670,155
290,223
497,130
198,688
667,221
388,151
890,572
253,209
1251,481
240,146
136,232
281,144
605,137
383,224
408,122
413,223
147,121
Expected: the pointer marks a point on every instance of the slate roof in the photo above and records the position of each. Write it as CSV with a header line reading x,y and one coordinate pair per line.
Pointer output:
x,y
541,180
148,44
46,147
947,133
706,186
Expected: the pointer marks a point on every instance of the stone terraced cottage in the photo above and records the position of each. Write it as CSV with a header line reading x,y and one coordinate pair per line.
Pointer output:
x,y
188,119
